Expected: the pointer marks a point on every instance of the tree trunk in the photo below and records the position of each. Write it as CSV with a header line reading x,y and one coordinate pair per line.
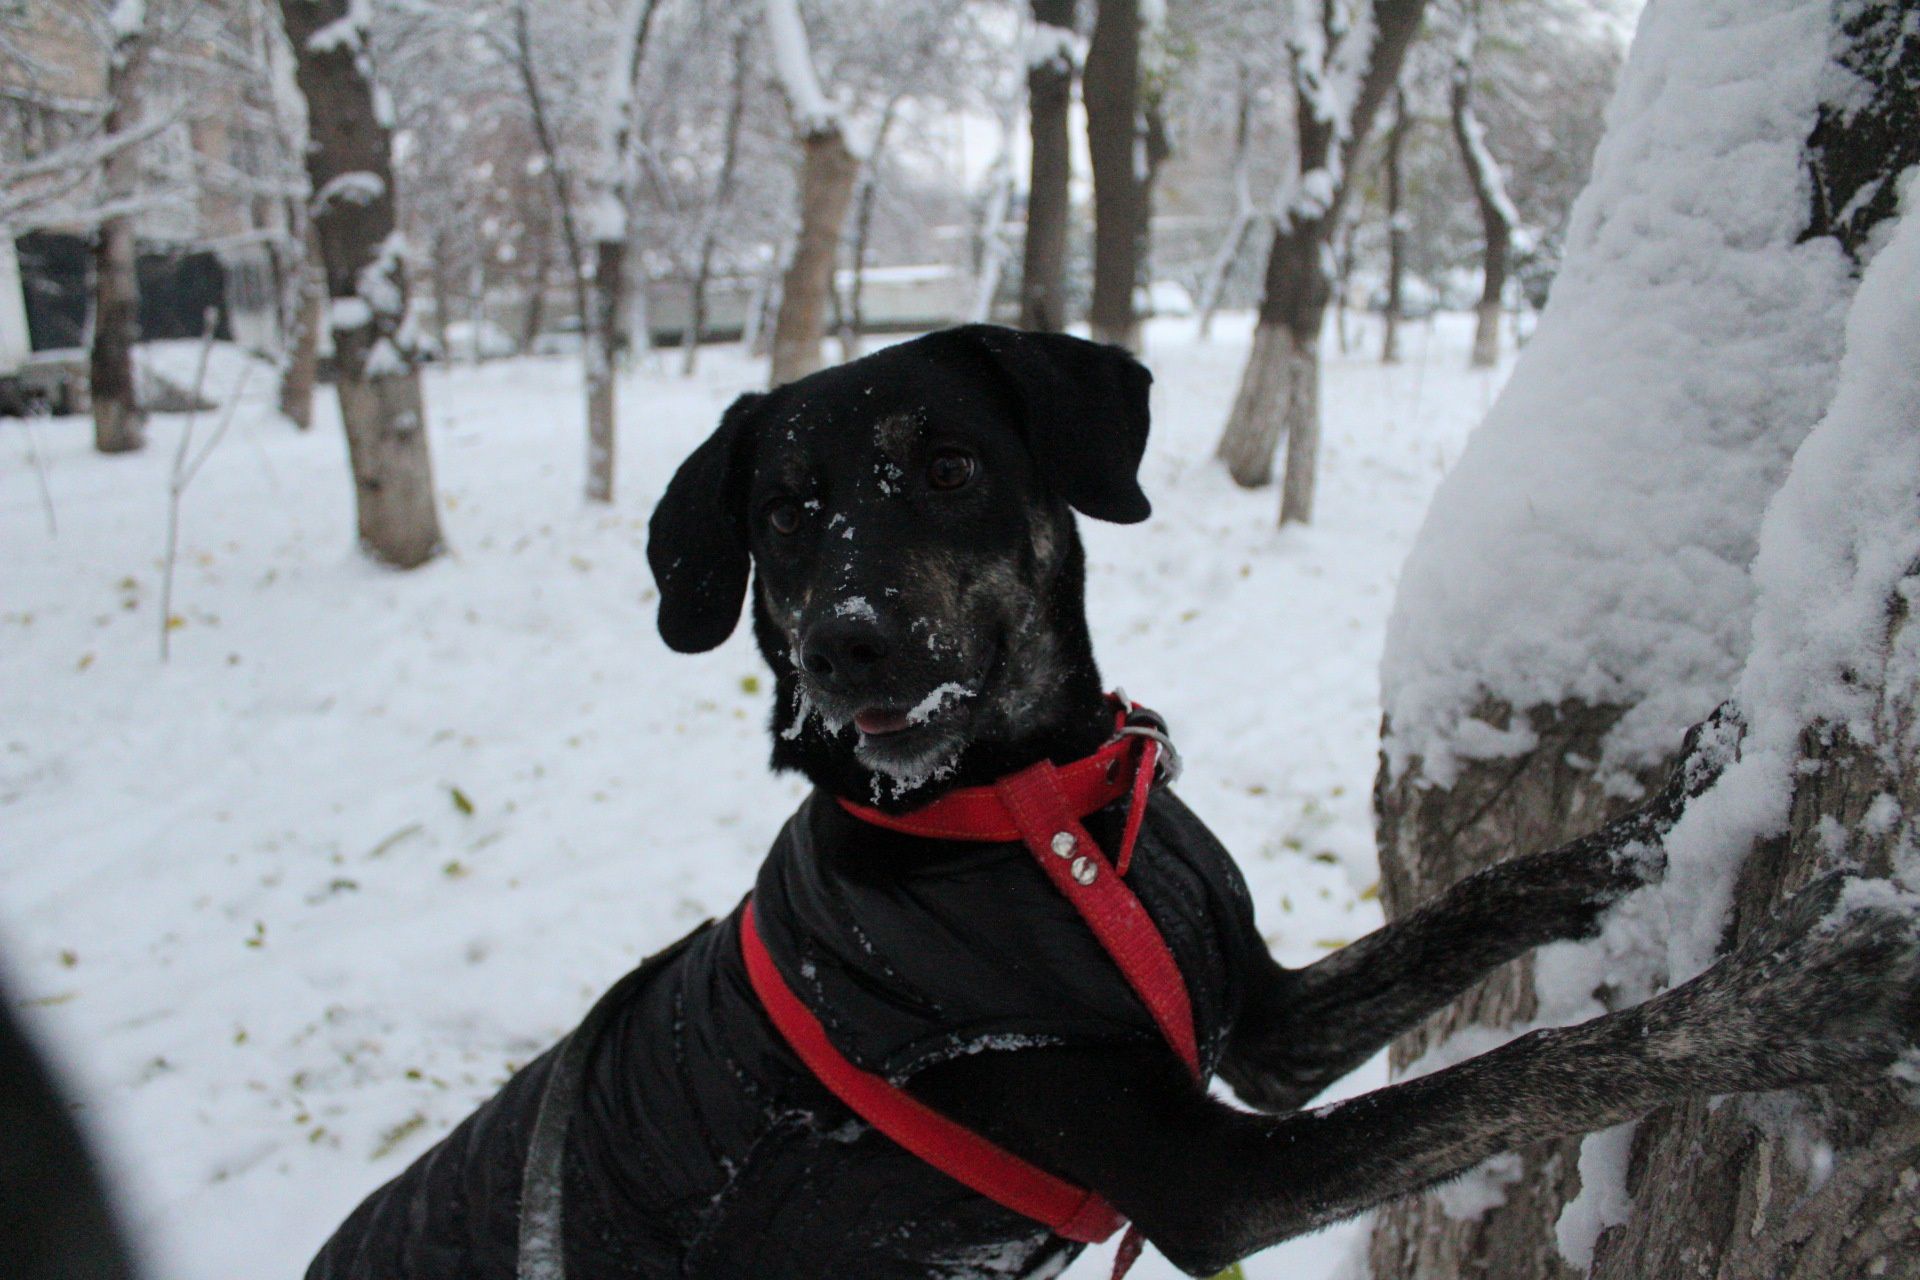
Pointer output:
x,y
1718,1191
119,423
1489,193
302,370
1220,270
1156,148
349,162
850,319
717,206
603,300
1396,232
1725,1191
535,319
603,333
1279,389
1431,836
827,172
1712,1193
1043,268
1111,87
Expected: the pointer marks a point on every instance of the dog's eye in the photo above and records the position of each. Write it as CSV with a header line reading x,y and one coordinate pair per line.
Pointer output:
x,y
950,469
784,515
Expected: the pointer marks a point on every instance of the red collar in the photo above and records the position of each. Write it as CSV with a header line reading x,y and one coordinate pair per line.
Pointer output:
x,y
1131,761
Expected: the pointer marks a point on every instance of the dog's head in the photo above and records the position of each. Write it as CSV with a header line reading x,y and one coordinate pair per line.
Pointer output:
x,y
917,576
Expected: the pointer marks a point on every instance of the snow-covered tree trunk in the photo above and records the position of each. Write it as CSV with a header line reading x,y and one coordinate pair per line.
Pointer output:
x,y
828,169
349,162
1582,592
717,205
604,298
990,241
1396,231
1050,68
1345,60
1111,87
851,318
1213,285
1497,215
119,424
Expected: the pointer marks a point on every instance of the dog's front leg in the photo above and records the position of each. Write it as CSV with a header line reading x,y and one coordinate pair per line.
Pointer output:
x,y
1828,993
1301,1030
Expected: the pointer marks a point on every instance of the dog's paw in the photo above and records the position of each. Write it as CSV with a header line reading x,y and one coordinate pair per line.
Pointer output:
x,y
1827,990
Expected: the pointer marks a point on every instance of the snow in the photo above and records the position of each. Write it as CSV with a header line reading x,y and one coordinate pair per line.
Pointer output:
x,y
1603,1200
381,283
793,63
127,19
1046,43
1841,539
1594,542
1490,170
355,188
348,31
1328,76
348,313
938,697
292,904
1480,1189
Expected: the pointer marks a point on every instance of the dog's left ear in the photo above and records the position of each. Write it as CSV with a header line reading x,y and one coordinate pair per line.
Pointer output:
x,y
1085,406
697,539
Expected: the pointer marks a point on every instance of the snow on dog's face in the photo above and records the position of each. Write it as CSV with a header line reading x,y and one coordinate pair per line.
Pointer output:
x,y
917,575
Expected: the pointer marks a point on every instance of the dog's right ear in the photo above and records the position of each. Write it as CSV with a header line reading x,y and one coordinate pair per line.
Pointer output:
x,y
697,539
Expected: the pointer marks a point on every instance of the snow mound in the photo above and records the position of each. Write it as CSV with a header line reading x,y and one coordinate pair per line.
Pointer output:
x,y
1595,539
1840,541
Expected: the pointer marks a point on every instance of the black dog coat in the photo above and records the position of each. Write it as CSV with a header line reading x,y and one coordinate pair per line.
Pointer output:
x,y
703,1147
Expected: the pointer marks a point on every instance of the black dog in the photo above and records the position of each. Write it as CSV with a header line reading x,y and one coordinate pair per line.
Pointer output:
x,y
918,595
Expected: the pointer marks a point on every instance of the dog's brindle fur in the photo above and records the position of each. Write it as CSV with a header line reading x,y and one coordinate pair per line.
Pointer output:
x,y
887,586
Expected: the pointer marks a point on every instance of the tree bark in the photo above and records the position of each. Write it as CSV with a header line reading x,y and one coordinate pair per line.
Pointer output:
x,y
1489,194
349,162
119,423
309,308
609,300
1043,268
1274,401
828,170
1396,232
1430,837
1717,1195
1111,88
603,306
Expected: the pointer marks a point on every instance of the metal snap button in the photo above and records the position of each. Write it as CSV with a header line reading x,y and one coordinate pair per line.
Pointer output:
x,y
1084,870
1064,844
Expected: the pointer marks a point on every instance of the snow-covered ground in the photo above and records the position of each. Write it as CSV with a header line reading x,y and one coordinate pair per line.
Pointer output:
x,y
291,904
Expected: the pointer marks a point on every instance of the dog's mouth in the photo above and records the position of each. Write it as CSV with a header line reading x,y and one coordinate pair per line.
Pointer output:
x,y
939,703
881,722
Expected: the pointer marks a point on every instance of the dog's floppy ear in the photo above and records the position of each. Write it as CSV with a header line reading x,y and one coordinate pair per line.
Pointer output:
x,y
697,539
1086,413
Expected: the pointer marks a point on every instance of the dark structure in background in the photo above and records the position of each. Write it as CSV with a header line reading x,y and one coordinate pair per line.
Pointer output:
x,y
176,288
55,1223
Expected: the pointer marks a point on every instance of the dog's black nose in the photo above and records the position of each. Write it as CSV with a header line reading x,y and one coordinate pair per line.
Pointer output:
x,y
843,648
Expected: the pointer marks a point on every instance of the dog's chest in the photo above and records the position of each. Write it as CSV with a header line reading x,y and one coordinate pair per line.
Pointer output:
x,y
761,1171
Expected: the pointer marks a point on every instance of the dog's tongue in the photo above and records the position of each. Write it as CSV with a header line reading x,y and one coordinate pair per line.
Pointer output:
x,y
877,720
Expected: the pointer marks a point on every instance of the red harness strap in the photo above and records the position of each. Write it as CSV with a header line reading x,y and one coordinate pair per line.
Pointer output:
x,y
1041,806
